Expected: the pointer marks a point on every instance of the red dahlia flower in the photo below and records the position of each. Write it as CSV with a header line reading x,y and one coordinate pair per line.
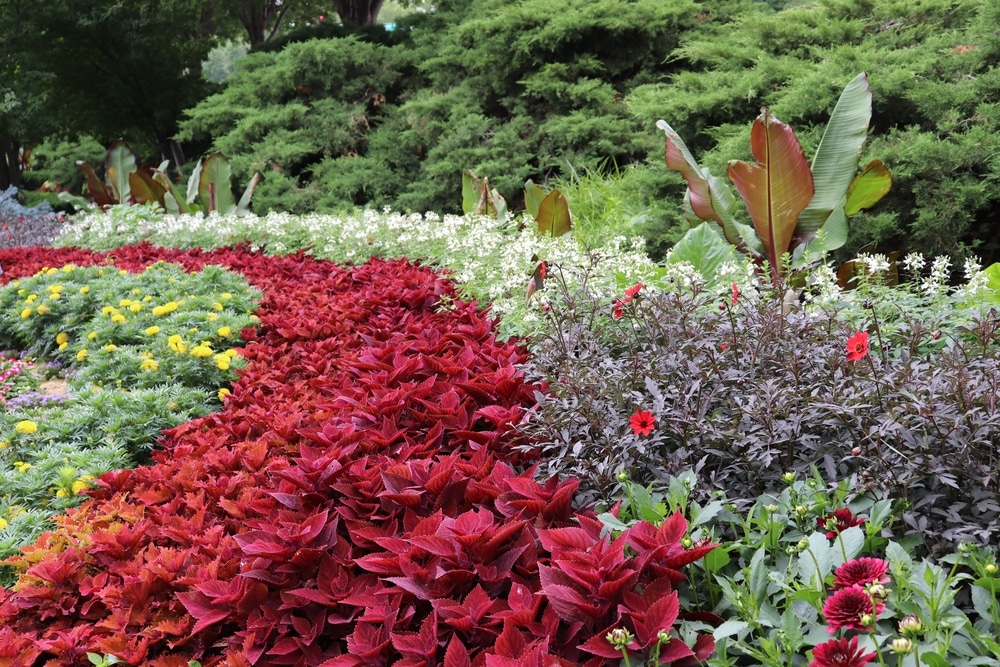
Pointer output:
x,y
632,291
838,522
619,310
857,346
736,294
840,653
846,607
861,572
642,422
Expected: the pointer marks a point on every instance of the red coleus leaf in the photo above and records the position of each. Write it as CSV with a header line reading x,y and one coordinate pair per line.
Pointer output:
x,y
422,644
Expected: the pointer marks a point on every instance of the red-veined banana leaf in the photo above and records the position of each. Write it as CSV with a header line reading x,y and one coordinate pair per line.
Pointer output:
x,y
776,189
553,214
533,196
478,198
98,192
868,187
215,185
145,189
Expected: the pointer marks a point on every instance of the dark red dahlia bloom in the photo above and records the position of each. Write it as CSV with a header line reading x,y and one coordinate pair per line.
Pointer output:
x,y
839,521
847,608
632,291
618,310
642,422
861,572
840,653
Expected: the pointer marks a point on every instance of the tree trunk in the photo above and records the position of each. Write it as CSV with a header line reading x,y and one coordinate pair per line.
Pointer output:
x,y
10,164
359,12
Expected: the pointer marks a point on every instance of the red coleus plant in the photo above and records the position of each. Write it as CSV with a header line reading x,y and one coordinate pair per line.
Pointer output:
x,y
355,502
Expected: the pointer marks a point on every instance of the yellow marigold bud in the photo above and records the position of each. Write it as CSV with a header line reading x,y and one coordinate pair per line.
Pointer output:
x,y
92,335
81,355
212,317
125,303
26,313
118,318
26,426
54,296
152,331
44,310
135,307
62,337
231,353
171,306
223,393
110,347
225,332
22,466
84,289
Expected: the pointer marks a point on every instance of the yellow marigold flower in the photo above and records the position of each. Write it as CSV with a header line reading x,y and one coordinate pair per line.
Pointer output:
x,y
135,307
118,318
54,296
80,485
159,311
149,365
171,306
44,310
147,299
225,296
55,288
22,466
63,346
223,393
52,272
21,291
62,337
212,317
222,361
108,310
81,355
26,426
69,268
125,303
84,289
26,313
15,511
217,306
152,331
4,444
3,523
136,291
176,338
110,347
92,335
201,351
231,353
62,493
31,297
225,332
123,272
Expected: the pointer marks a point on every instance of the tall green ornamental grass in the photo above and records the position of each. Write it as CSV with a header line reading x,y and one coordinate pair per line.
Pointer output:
x,y
128,355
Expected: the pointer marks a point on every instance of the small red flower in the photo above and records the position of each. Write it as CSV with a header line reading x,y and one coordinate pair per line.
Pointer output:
x,y
840,653
857,346
861,572
543,270
723,347
736,294
619,310
838,522
846,608
632,291
642,422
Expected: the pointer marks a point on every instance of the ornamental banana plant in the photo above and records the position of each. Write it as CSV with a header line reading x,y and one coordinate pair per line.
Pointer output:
x,y
795,207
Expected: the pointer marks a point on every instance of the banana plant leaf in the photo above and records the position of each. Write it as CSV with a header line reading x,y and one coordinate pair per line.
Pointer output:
x,y
98,191
243,207
776,189
704,249
868,187
215,185
118,164
533,196
144,189
173,202
553,214
836,161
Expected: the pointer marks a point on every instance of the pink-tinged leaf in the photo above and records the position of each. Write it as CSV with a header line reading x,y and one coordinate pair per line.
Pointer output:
x,y
510,643
777,188
98,192
556,540
570,604
200,607
420,644
456,655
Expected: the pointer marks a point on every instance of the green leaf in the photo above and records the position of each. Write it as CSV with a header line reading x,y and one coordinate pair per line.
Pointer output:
x,y
730,628
849,542
708,197
215,185
533,196
868,187
776,189
815,562
471,191
243,207
194,182
716,559
553,214
992,584
704,248
898,555
932,659
758,577
707,513
119,163
983,600
836,161
173,203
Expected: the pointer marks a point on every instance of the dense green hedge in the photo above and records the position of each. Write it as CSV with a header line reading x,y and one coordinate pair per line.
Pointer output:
x,y
533,89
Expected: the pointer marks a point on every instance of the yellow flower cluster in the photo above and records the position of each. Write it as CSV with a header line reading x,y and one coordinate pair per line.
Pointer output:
x,y
26,427
166,308
22,466
177,344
